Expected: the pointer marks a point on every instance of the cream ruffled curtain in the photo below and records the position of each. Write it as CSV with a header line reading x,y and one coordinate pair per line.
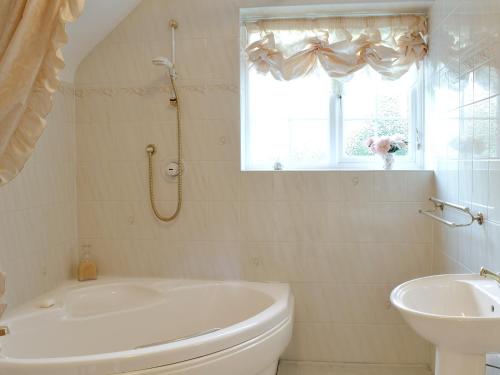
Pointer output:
x,y
31,35
292,48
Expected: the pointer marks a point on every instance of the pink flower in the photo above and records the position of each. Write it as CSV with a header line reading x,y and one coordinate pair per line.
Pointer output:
x,y
386,145
382,145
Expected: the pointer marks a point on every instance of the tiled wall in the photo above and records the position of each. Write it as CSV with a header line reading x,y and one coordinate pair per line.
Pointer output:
x,y
38,239
322,368
342,239
463,127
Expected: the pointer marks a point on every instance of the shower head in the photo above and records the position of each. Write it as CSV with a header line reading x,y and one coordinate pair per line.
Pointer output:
x,y
164,61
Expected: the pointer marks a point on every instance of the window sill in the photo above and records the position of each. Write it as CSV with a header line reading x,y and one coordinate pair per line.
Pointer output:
x,y
350,167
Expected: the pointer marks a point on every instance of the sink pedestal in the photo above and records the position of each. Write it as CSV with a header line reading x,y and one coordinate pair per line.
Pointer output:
x,y
449,363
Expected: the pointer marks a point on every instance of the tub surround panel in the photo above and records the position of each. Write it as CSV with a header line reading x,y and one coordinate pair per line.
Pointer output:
x,y
463,122
342,239
38,209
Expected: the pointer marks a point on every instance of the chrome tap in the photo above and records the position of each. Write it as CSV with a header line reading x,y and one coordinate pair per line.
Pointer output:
x,y
4,331
489,274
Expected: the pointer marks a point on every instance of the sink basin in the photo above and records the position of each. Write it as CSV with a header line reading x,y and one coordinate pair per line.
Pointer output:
x,y
459,314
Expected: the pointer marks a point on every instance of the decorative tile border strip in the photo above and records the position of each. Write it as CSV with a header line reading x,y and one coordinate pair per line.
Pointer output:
x,y
66,88
153,90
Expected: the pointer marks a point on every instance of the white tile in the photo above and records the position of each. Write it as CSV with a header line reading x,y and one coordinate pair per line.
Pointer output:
x,y
257,186
356,343
468,173
344,237
257,221
38,210
311,368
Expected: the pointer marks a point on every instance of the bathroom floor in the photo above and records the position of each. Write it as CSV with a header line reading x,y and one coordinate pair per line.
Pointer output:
x,y
308,368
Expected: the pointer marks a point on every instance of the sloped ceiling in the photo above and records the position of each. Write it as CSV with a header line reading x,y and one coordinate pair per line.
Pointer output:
x,y
98,19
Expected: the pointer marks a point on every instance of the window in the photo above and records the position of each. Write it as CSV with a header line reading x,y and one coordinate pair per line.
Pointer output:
x,y
372,106
319,122
288,122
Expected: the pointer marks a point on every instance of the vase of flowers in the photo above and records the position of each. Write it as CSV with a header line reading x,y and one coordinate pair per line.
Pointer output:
x,y
385,147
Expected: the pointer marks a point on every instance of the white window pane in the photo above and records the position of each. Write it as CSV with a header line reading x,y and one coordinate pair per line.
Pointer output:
x,y
374,106
356,132
309,143
288,122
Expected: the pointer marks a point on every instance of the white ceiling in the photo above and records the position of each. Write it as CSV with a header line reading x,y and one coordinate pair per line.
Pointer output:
x,y
98,19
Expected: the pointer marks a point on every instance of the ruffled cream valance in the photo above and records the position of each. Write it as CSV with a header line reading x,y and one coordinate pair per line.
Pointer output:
x,y
31,35
292,48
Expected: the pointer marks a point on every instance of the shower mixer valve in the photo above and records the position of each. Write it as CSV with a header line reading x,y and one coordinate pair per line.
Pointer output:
x,y
171,170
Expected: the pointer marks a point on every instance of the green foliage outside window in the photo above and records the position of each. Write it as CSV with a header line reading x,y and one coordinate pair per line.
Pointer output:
x,y
388,122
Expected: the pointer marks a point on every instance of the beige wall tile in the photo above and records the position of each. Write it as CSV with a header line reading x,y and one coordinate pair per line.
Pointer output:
x,y
311,368
467,172
343,239
38,210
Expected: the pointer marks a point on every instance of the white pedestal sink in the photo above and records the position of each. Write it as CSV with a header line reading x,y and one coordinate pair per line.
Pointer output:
x,y
460,314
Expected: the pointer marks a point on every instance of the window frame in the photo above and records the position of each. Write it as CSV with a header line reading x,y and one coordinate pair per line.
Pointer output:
x,y
415,158
338,161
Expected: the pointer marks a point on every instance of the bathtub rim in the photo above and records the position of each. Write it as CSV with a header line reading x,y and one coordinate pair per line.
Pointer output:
x,y
189,349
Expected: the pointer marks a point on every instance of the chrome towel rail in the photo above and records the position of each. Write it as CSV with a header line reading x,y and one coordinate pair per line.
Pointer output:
x,y
440,205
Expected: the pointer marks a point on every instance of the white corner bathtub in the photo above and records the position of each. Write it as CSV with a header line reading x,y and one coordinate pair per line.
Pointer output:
x,y
150,327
